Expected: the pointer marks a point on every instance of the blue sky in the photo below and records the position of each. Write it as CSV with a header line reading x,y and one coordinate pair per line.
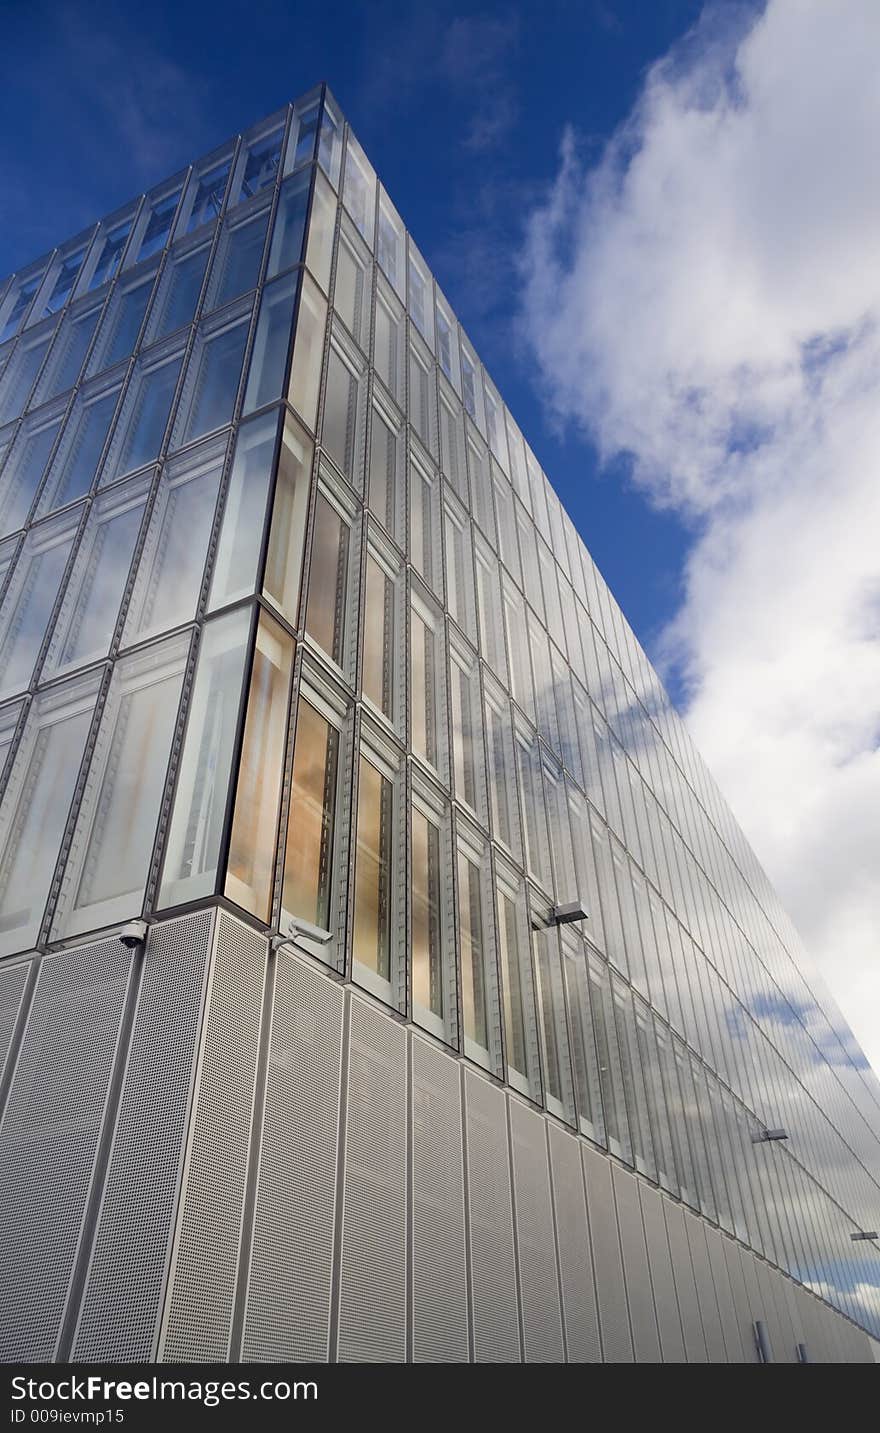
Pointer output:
x,y
461,108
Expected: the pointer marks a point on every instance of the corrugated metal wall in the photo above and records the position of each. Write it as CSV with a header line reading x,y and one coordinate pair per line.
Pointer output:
x,y
208,1153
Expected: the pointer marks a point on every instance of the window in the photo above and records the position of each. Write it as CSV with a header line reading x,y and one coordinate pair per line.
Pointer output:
x,y
480,484
212,382
433,971
179,291
195,832
268,365
375,913
558,1087
30,598
421,306
424,525
244,515
21,371
308,861
90,608
470,385
452,458
205,198
308,351
78,458
108,251
389,243
62,279
585,1058
528,759
144,417
37,803
359,189
459,569
517,991
322,222
281,581
330,141
422,408
633,1079
488,594
251,865
236,266
169,574
379,637
479,995
22,472
302,136
340,433
16,303
386,445
447,342
426,656
328,579
610,1073
464,703
156,223
507,544
106,871
258,163
517,647
389,345
122,322
68,352
502,777
289,227
351,291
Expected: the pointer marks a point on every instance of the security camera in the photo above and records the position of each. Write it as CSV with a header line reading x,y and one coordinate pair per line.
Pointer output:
x,y
133,933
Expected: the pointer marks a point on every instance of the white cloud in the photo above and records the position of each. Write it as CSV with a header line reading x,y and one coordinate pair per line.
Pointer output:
x,y
707,300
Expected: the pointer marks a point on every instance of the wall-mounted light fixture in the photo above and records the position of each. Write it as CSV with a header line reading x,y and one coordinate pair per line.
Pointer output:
x,y
767,1135
865,1234
570,911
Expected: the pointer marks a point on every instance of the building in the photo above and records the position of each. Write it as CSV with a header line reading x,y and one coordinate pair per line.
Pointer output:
x,y
303,665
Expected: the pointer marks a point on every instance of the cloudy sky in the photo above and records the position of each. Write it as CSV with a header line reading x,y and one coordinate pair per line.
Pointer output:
x,y
659,223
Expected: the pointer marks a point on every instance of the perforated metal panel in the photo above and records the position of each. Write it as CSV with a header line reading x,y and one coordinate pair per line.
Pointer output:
x,y
740,1297
536,1243
610,1292
575,1259
13,979
490,1219
372,1284
439,1271
665,1296
640,1295
287,1315
199,1307
709,1315
122,1299
49,1137
724,1298
683,1273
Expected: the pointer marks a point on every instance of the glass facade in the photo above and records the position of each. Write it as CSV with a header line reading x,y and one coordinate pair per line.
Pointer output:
x,y
290,616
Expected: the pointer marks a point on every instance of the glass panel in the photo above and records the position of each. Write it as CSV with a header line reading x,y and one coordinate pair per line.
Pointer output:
x,y
79,455
465,739
372,881
65,279
268,364
322,220
209,189
261,163
339,433
251,866
558,1088
475,993
389,244
109,859
244,514
378,655
308,352
288,525
289,227
214,390
583,1044
351,290
158,229
192,851
423,526
328,580
308,858
236,267
517,995
68,352
29,600
389,345
145,417
423,688
20,373
16,304
122,323
383,471
359,189
22,472
36,806
610,1073
169,575
502,781
90,609
427,950
179,293
110,248
421,304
